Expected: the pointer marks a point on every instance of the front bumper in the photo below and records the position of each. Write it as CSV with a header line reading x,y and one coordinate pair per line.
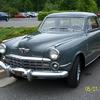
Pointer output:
x,y
29,73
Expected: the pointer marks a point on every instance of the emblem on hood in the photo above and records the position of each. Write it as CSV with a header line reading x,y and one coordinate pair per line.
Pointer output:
x,y
24,50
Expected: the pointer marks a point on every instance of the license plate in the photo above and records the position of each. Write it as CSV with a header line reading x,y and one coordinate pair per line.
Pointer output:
x,y
18,73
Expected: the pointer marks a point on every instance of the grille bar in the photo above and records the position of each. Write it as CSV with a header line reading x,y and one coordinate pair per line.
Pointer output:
x,y
27,63
28,58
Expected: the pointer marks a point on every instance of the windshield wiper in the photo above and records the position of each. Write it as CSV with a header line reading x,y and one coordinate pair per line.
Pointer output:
x,y
63,28
58,28
53,28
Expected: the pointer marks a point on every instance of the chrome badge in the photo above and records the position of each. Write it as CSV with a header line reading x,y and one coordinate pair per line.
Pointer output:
x,y
24,50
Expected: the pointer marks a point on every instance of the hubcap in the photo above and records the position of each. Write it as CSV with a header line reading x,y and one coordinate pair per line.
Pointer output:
x,y
78,72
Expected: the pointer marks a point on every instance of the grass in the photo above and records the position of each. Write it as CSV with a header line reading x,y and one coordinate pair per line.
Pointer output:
x,y
10,32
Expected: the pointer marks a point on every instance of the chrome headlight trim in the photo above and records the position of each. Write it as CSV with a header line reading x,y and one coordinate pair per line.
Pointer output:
x,y
54,53
2,48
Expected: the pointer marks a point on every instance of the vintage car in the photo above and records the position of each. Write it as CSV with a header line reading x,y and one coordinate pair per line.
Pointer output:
x,y
64,45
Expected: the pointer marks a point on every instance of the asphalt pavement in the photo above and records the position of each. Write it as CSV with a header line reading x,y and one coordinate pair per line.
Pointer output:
x,y
20,22
89,88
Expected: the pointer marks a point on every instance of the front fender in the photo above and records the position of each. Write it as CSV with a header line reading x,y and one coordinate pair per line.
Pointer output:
x,y
69,51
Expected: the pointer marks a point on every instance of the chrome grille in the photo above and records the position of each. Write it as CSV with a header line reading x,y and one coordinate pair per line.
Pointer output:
x,y
26,63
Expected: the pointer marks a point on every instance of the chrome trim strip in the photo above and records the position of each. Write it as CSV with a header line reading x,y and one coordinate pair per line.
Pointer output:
x,y
28,58
58,44
65,64
92,61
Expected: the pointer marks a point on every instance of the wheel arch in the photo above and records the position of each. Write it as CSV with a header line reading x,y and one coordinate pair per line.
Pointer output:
x,y
81,55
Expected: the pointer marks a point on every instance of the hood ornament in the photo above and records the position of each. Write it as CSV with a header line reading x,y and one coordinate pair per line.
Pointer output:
x,y
24,50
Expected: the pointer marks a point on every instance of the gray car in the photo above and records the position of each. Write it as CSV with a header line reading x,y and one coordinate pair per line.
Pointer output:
x,y
64,45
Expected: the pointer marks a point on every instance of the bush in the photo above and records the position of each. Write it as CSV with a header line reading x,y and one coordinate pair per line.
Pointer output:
x,y
7,33
10,10
51,5
43,14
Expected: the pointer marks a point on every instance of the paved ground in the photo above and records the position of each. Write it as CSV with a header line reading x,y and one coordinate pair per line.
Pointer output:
x,y
89,88
20,22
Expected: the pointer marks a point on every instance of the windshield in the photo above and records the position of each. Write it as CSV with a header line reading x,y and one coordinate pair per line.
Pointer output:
x,y
62,24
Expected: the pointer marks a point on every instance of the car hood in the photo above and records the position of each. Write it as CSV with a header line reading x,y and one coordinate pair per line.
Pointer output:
x,y
38,44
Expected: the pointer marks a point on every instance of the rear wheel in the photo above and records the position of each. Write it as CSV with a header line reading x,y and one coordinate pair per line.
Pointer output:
x,y
74,74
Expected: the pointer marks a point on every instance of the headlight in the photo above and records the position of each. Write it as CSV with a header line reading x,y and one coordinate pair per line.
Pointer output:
x,y
2,48
54,54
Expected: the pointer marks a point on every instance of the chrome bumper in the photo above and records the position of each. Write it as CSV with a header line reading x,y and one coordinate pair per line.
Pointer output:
x,y
29,74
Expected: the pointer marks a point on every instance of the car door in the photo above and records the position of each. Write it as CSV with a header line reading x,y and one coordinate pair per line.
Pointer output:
x,y
93,38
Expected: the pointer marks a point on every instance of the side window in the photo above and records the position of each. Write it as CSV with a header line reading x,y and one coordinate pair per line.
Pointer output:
x,y
92,23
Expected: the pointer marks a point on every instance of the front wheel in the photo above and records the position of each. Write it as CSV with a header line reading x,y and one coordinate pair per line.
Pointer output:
x,y
74,74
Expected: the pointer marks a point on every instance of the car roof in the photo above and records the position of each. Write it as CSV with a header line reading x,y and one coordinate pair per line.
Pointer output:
x,y
3,13
72,14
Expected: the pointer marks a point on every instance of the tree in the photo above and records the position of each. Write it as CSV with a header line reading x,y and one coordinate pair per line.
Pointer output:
x,y
69,4
38,5
98,3
27,4
48,5
88,5
52,5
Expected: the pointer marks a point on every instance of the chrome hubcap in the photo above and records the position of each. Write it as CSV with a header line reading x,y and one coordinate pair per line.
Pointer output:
x,y
78,72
